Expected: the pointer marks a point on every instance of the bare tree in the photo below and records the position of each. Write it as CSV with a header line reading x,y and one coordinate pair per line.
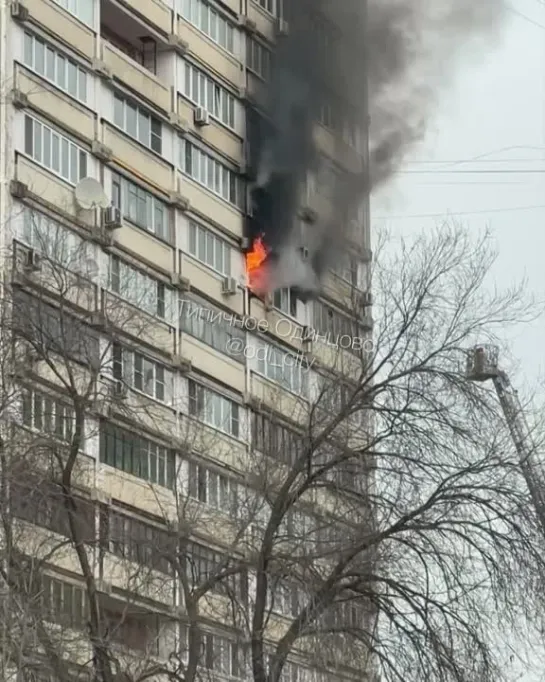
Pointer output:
x,y
377,532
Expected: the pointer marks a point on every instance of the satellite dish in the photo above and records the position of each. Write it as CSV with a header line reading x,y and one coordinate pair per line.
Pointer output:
x,y
89,194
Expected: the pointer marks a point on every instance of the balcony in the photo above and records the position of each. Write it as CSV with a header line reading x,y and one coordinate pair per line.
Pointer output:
x,y
210,53
134,56
53,18
154,12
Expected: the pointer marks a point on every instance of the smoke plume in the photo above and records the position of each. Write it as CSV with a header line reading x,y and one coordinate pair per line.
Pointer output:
x,y
380,68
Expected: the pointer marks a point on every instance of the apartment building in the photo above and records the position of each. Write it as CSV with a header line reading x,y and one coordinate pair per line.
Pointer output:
x,y
149,99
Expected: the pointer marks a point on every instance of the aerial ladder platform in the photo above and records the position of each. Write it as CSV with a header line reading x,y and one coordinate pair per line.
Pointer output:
x,y
482,365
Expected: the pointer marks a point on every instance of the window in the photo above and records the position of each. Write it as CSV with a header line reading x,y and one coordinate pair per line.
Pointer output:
x,y
205,92
54,151
210,172
140,207
57,243
138,123
258,58
213,488
333,324
222,656
283,597
210,326
276,440
142,373
47,414
213,409
272,6
51,330
282,367
208,20
142,290
41,502
203,563
47,61
63,602
209,249
137,455
347,269
286,301
137,541
84,10
136,631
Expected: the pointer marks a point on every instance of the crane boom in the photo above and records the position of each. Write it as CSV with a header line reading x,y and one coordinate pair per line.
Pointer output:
x,y
482,365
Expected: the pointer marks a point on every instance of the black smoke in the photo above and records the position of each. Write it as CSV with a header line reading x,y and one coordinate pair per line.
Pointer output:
x,y
378,66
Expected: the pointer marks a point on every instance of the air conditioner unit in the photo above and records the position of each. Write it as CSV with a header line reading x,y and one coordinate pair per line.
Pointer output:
x,y
181,364
283,27
111,217
365,298
229,286
120,390
18,11
33,261
201,117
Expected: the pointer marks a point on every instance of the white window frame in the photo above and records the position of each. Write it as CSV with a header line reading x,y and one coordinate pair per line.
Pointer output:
x,y
72,162
221,491
143,374
52,409
206,167
210,21
273,7
206,92
147,299
140,207
209,248
258,58
54,66
210,326
144,134
271,364
285,301
58,243
217,411
77,7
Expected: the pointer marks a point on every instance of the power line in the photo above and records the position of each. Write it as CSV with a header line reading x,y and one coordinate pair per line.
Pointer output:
x,y
524,16
448,214
475,159
502,171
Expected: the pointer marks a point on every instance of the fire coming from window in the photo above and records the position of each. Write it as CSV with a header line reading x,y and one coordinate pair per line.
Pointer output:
x,y
255,266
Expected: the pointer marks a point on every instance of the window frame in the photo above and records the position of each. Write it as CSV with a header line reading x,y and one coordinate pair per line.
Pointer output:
x,y
154,130
163,295
226,185
58,55
204,91
70,156
199,236
199,7
199,394
134,455
127,194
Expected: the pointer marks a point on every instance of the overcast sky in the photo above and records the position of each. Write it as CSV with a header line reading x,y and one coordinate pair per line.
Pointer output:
x,y
496,111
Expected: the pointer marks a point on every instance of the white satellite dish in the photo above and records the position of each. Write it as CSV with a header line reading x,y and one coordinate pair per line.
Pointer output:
x,y
90,194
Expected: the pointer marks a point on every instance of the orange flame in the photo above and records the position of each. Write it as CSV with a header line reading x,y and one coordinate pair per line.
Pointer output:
x,y
254,260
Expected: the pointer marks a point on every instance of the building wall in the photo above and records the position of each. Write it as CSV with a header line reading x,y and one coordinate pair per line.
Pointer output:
x,y
82,107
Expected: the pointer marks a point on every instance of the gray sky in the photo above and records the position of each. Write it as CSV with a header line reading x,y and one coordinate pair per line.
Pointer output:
x,y
496,110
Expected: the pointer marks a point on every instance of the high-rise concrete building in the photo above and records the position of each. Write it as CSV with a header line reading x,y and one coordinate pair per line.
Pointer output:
x,y
143,353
